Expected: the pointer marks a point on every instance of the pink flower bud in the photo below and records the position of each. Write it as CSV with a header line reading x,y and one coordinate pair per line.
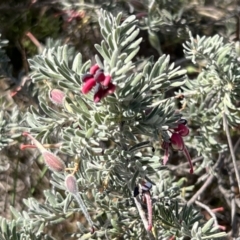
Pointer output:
x,y
88,85
57,96
182,129
53,162
94,68
177,142
99,75
107,80
71,184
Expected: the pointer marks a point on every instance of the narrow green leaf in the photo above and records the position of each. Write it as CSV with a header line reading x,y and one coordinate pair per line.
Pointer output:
x,y
65,54
77,63
132,55
207,225
103,52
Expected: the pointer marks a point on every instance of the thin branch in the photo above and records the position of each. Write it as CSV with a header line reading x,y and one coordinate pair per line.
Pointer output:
x,y
210,178
173,167
231,149
206,184
201,190
35,41
233,207
234,221
209,211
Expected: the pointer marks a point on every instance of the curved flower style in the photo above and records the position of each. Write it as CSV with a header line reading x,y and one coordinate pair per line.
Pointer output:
x,y
144,191
98,80
177,143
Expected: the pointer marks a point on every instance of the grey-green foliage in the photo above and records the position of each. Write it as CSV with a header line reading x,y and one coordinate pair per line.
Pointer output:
x,y
8,121
110,139
214,92
11,230
171,217
9,117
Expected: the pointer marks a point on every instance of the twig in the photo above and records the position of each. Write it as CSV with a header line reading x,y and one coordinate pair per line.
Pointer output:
x,y
210,179
209,211
206,184
21,48
233,207
35,41
188,94
201,190
225,192
232,195
230,199
231,149
171,167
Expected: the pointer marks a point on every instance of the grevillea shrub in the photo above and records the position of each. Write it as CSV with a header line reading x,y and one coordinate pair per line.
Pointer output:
x,y
109,131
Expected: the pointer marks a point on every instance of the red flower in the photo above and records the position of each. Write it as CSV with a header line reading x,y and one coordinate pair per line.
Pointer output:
x,y
182,129
94,69
86,77
88,85
96,78
103,92
177,143
99,94
99,76
110,88
107,80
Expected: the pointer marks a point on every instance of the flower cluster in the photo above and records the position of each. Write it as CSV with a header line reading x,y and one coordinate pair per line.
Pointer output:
x,y
99,81
177,143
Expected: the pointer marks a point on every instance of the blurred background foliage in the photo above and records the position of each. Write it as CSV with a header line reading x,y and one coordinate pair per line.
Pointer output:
x,y
29,25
